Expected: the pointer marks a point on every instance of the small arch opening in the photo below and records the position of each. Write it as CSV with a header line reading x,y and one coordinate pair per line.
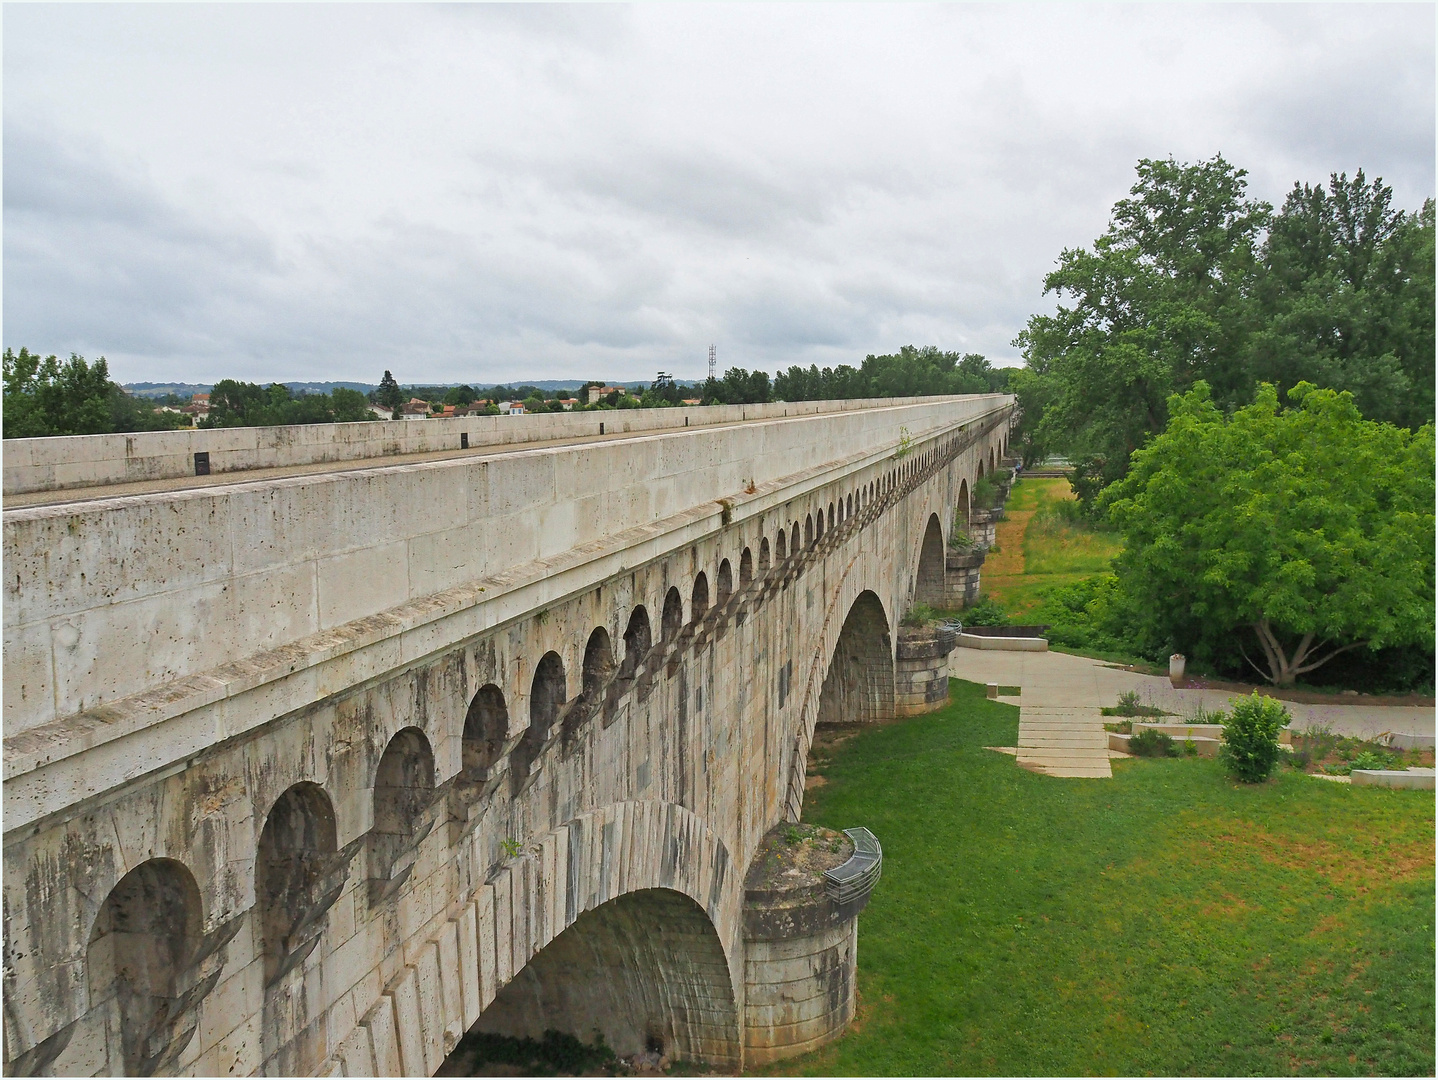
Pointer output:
x,y
724,583
637,642
486,727
403,790
547,694
699,599
794,539
672,621
296,877
141,943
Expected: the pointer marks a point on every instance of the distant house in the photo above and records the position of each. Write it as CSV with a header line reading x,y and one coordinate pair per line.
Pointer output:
x,y
200,399
476,408
445,412
381,412
692,401
511,408
594,393
567,403
414,409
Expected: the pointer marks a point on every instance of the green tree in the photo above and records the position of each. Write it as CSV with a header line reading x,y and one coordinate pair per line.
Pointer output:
x,y
44,396
460,395
388,393
1297,533
1347,298
1162,300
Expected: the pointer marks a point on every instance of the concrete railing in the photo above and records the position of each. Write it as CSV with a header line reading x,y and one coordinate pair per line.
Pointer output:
x,y
78,461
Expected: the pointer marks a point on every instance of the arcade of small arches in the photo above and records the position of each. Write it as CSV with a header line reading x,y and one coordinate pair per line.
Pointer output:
x,y
152,957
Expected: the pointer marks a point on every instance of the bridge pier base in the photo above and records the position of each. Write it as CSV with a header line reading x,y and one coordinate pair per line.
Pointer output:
x,y
962,578
921,670
801,944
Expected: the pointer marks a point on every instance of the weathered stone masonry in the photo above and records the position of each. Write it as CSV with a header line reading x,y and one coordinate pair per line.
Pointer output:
x,y
337,855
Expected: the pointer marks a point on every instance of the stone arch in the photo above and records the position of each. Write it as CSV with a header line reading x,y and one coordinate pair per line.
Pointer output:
x,y
645,969
297,877
746,563
547,694
859,685
781,545
831,517
850,502
765,559
808,530
672,621
139,952
929,578
597,669
993,462
486,728
981,471
699,599
724,583
794,539
637,642
631,946
403,791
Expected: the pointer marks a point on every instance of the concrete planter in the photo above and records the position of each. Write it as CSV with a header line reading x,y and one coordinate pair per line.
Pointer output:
x,y
1176,665
921,669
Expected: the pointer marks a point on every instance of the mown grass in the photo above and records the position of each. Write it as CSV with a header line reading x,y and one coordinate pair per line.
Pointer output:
x,y
1168,921
1040,547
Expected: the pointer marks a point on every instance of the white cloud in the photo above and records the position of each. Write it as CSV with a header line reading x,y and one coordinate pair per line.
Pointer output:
x,y
490,192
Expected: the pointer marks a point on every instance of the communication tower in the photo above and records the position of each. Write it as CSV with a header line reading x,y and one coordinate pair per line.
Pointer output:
x,y
711,361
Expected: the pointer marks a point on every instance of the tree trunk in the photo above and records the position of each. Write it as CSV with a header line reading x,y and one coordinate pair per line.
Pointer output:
x,y
1284,669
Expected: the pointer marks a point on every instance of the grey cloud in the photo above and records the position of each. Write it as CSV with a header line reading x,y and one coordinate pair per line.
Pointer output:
x,y
485,192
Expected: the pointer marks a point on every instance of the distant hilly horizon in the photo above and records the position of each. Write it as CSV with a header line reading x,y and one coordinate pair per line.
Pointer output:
x,y
160,389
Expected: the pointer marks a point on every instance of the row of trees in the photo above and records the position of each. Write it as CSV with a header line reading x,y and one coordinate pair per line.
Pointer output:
x,y
1195,280
48,396
242,404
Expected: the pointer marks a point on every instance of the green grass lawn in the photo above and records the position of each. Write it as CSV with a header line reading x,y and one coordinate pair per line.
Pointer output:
x,y
1167,921
1038,551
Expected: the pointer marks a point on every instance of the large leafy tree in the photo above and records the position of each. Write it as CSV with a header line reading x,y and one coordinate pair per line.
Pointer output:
x,y
47,396
1347,298
1300,533
1162,300
1195,280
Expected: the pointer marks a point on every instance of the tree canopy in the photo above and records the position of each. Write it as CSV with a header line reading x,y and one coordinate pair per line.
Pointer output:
x,y
242,404
1195,280
44,396
1299,533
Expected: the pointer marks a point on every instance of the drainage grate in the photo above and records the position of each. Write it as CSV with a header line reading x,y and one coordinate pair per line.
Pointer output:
x,y
860,872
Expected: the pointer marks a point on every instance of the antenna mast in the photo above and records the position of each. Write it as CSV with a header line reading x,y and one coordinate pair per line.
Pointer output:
x,y
711,361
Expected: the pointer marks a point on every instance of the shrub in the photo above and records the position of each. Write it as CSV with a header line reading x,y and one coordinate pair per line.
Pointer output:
x,y
986,612
1250,737
919,615
1374,759
1150,743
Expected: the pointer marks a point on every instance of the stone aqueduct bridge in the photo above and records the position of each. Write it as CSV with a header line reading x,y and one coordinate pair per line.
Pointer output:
x,y
310,768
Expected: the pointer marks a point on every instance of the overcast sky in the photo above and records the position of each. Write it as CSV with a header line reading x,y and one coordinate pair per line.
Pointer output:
x,y
480,193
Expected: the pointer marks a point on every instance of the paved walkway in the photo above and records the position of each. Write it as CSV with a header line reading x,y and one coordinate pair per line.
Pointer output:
x,y
1061,729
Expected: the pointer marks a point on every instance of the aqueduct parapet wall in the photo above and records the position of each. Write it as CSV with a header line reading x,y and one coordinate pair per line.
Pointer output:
x,y
301,773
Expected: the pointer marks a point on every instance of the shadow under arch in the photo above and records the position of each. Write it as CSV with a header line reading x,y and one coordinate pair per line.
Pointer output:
x,y
646,970
140,948
929,577
859,685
